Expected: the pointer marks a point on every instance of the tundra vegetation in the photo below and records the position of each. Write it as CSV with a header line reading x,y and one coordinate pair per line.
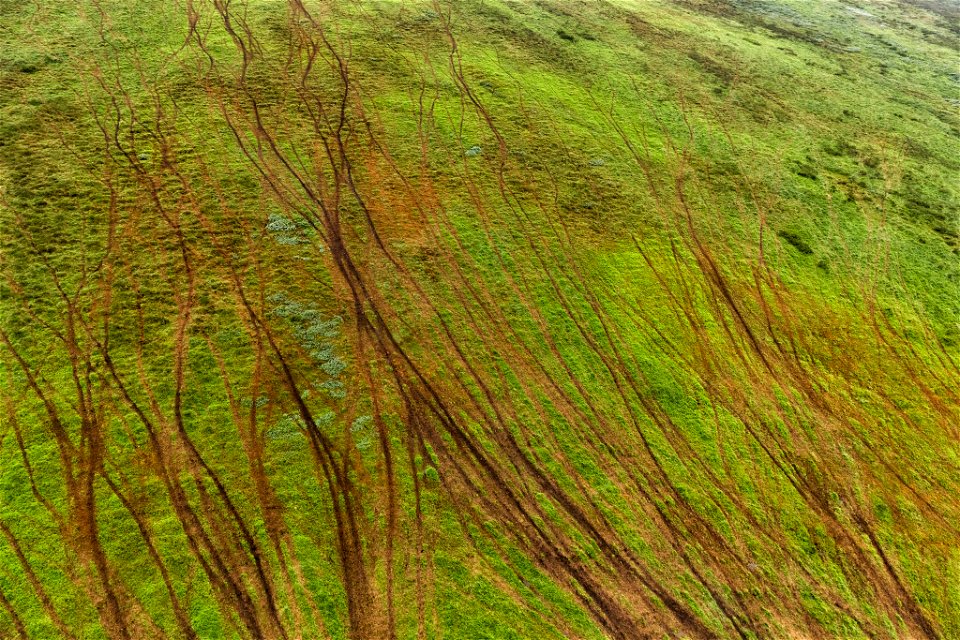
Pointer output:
x,y
479,319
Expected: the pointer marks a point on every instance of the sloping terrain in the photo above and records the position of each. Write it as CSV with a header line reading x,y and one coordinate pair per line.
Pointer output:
x,y
481,319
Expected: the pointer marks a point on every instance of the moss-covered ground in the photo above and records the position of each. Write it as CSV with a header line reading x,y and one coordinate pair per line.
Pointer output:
x,y
479,319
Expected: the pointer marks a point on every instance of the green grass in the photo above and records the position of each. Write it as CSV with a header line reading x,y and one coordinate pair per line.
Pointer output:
x,y
678,359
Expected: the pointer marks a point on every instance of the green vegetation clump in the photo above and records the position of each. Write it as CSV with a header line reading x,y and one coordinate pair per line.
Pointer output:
x,y
796,242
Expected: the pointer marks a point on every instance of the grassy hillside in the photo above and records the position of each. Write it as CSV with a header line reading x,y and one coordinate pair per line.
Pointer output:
x,y
482,319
